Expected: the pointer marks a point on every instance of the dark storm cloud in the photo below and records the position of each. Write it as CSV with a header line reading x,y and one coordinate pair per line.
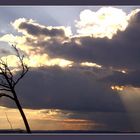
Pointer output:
x,y
72,88
36,30
120,52
66,89
118,78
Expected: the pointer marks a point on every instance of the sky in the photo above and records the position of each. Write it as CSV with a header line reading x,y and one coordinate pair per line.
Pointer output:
x,y
84,66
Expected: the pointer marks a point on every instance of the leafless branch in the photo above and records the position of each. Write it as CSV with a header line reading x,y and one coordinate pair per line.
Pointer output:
x,y
4,89
4,85
21,75
23,65
6,95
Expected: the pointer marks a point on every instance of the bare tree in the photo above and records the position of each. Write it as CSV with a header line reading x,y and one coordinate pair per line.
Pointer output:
x,y
8,82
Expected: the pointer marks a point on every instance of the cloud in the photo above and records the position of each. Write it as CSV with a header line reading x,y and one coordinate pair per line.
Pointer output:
x,y
76,88
32,32
30,27
128,79
58,43
65,89
122,51
4,52
103,23
89,64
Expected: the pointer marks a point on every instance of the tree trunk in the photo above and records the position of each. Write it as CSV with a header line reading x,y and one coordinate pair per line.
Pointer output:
x,y
22,113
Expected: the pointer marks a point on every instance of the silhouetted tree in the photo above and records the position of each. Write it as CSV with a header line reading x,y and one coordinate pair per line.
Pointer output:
x,y
8,82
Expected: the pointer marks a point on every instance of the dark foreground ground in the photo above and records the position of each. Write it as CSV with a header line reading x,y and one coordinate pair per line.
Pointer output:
x,y
19,131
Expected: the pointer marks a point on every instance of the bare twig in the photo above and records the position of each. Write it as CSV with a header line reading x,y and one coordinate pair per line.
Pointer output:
x,y
4,89
6,95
